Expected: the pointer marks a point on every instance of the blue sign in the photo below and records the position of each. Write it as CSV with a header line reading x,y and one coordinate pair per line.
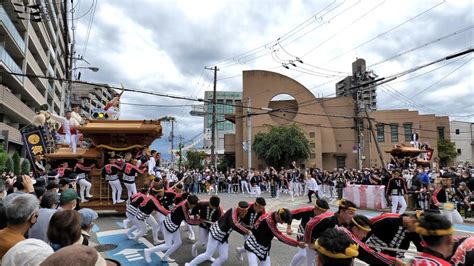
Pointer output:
x,y
127,252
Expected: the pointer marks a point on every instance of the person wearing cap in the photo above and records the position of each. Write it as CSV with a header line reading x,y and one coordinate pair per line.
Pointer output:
x,y
49,203
84,186
256,210
88,218
396,190
209,212
436,231
335,248
27,252
219,234
22,213
258,244
171,225
110,172
321,223
68,199
305,214
394,231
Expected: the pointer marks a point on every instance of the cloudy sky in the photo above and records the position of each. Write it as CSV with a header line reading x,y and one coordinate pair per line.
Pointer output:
x,y
163,46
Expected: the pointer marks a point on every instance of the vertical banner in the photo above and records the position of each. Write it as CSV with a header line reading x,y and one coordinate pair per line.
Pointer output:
x,y
35,144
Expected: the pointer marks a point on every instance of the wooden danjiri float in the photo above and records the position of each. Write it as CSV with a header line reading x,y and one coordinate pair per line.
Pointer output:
x,y
101,139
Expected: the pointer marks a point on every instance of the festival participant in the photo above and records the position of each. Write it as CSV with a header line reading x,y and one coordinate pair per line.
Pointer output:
x,y
335,248
244,185
209,212
129,174
255,182
152,163
463,252
85,186
110,172
305,214
171,225
357,230
396,190
220,232
64,170
436,231
258,244
321,223
256,209
394,231
131,209
39,166
443,198
313,188
143,216
69,128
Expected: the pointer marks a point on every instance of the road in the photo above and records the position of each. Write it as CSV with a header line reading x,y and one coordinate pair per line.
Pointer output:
x,y
108,231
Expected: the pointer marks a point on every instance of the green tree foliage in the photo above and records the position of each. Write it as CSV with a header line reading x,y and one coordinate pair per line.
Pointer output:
x,y
3,159
25,167
9,164
16,163
194,159
446,150
281,145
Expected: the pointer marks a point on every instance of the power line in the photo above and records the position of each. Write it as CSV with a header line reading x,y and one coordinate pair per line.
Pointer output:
x,y
156,105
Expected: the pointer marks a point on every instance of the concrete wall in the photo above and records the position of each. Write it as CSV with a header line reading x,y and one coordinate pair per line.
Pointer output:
x,y
463,140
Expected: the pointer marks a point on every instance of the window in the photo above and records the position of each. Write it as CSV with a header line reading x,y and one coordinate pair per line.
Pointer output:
x,y
312,145
459,151
311,134
408,127
312,155
394,132
440,132
457,131
340,161
380,133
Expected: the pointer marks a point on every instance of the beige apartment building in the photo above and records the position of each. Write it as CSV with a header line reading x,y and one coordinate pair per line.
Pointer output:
x,y
91,97
31,42
328,124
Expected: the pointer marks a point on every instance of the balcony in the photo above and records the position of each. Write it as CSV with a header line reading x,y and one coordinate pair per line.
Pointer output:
x,y
38,48
8,61
36,68
8,24
34,92
51,71
16,108
14,134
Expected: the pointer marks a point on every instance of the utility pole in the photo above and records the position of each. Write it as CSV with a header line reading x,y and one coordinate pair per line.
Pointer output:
x,y
213,125
375,138
180,151
249,136
172,141
66,56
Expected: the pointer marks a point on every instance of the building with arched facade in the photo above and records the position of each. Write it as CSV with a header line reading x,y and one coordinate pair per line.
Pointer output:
x,y
328,124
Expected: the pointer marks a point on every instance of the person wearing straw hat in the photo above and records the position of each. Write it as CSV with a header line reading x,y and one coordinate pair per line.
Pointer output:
x,y
334,247
358,229
437,233
321,223
393,230
305,214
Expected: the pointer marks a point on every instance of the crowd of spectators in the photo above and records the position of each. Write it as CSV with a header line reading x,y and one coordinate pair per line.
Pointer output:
x,y
41,225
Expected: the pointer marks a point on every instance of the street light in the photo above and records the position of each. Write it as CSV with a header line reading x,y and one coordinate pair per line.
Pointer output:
x,y
93,69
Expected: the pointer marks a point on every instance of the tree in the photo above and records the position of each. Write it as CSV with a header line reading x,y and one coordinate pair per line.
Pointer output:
x,y
195,159
9,164
25,167
446,151
3,159
16,163
281,145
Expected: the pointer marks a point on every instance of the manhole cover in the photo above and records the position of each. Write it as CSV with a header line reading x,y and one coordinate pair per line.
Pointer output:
x,y
106,247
